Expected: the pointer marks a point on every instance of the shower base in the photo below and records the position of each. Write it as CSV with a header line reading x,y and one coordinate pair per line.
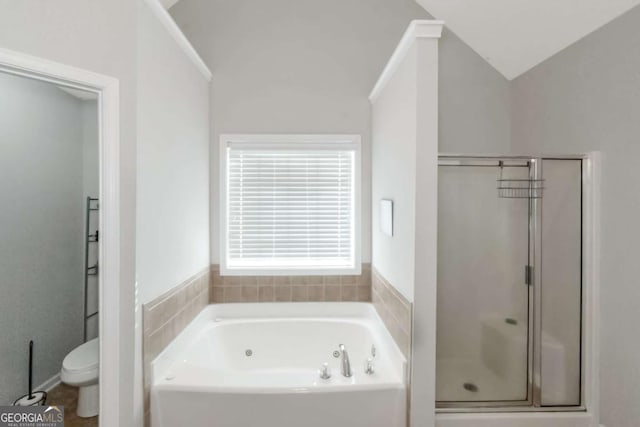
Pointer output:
x,y
454,373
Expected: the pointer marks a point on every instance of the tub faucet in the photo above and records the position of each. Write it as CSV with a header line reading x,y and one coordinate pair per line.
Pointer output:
x,y
346,365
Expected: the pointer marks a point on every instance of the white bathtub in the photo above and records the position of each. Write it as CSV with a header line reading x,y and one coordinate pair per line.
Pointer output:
x,y
250,365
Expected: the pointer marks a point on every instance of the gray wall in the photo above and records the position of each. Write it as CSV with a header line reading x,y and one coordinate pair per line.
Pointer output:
x,y
588,98
173,162
91,188
302,66
395,116
474,105
41,223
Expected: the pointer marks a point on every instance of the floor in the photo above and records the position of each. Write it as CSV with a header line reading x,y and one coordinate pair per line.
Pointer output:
x,y
67,396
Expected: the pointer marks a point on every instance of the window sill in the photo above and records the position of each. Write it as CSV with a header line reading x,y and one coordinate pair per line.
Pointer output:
x,y
356,271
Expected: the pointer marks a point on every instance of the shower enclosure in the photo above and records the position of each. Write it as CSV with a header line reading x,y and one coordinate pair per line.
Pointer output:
x,y
510,268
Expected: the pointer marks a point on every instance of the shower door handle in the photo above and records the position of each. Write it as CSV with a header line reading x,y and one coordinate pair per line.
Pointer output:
x,y
528,275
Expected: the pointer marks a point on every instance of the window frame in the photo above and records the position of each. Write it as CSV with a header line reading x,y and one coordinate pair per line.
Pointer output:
x,y
312,141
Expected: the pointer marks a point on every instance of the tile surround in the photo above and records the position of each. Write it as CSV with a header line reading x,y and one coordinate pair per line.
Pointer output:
x,y
394,309
166,316
289,288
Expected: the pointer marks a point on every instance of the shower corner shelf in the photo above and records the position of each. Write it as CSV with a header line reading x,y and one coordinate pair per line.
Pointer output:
x,y
520,188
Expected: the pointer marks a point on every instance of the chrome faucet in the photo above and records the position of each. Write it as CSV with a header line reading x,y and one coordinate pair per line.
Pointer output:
x,y
346,365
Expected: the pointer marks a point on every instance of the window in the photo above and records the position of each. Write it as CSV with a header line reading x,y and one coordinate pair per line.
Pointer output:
x,y
290,204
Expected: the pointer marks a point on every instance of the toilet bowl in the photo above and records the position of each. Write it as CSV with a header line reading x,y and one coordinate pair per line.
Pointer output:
x,y
81,369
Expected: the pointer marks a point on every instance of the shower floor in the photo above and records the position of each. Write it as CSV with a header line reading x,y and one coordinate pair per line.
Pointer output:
x,y
453,374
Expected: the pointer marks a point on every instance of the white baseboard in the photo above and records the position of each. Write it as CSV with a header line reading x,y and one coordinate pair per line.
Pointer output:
x,y
49,384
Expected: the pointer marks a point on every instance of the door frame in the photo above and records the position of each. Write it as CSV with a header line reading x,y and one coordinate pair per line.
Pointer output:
x,y
112,340
532,166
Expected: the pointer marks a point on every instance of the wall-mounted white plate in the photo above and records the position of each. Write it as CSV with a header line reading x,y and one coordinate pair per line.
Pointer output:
x,y
386,217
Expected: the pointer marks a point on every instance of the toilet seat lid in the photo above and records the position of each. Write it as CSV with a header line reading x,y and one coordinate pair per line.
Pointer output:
x,y
83,357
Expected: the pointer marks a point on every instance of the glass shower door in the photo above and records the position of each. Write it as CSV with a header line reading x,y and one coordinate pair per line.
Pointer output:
x,y
483,333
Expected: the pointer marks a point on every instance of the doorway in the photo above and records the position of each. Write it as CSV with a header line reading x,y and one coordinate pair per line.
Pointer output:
x,y
106,91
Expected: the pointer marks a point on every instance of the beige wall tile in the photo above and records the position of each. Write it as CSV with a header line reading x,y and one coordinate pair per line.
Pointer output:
x,y
217,294
298,280
249,293
266,293
349,293
154,345
292,288
349,280
394,310
236,280
181,298
316,292
283,293
331,280
332,293
216,278
264,280
364,293
281,280
313,280
300,293
365,277
191,289
233,294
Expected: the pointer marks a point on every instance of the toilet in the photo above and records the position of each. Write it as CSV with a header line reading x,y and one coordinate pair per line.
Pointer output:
x,y
81,369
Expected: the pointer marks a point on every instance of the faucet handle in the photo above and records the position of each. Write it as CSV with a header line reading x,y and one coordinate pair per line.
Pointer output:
x,y
374,351
325,371
368,369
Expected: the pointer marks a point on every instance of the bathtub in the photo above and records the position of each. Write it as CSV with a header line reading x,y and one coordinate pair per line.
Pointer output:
x,y
249,365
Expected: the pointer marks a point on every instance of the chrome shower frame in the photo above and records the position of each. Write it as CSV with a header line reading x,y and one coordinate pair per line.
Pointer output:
x,y
533,403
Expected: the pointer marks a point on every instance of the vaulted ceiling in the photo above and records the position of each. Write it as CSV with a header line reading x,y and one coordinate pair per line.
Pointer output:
x,y
168,3
516,35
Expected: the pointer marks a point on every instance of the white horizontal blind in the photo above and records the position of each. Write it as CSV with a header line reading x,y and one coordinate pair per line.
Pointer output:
x,y
290,208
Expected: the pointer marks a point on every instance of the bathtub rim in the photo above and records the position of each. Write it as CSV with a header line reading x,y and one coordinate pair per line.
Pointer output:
x,y
276,310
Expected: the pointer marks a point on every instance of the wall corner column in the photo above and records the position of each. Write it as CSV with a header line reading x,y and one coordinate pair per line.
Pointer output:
x,y
423,372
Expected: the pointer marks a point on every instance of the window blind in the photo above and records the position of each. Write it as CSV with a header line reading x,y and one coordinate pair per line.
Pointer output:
x,y
290,208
